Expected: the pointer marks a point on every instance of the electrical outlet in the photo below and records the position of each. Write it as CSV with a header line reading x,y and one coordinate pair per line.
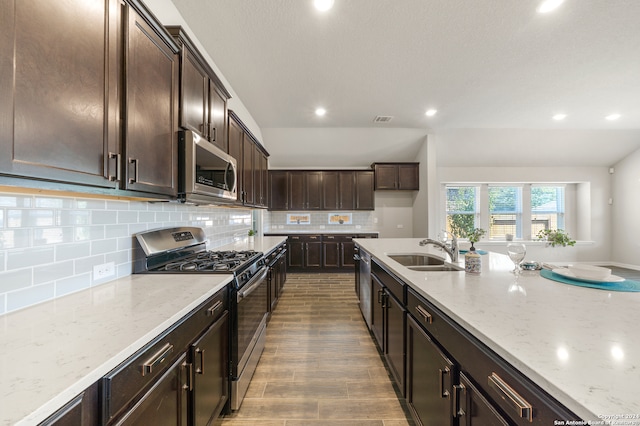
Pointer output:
x,y
106,270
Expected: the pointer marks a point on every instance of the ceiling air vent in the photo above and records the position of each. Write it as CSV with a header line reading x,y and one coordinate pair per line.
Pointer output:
x,y
382,119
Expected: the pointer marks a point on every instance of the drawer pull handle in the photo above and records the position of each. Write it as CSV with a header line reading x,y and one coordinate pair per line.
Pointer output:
x,y
522,408
157,359
428,318
212,310
189,376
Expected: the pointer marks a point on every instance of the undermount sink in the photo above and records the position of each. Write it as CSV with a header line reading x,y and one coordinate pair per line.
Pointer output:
x,y
423,262
417,259
431,268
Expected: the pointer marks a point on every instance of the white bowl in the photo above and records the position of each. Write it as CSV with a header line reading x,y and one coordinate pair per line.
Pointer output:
x,y
590,272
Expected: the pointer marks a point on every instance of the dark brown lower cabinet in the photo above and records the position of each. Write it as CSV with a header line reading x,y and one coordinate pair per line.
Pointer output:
x,y
305,252
388,327
473,409
337,251
165,403
210,359
429,378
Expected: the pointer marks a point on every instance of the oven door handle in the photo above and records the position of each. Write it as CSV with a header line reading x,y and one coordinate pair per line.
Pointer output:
x,y
254,283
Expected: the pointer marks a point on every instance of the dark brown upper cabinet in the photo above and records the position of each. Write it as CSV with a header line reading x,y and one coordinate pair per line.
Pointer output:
x,y
151,137
203,100
89,97
252,161
396,176
364,187
321,190
305,190
59,83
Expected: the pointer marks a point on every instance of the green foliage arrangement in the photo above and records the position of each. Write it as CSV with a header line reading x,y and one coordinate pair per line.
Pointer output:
x,y
475,235
252,232
555,237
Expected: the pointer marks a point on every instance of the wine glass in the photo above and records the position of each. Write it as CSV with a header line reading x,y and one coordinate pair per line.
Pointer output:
x,y
516,252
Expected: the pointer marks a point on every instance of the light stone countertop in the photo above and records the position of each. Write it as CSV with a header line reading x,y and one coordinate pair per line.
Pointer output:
x,y
580,345
316,231
51,352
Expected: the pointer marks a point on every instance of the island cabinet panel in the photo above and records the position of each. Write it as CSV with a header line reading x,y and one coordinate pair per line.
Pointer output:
x,y
59,83
389,320
151,145
498,390
396,176
429,379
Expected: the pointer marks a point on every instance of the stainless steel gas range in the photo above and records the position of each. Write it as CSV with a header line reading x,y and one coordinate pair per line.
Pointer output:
x,y
183,250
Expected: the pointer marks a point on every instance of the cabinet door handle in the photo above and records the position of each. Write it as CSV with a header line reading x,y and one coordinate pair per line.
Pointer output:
x,y
189,382
444,393
201,353
118,158
458,411
517,403
157,359
380,296
428,318
136,165
214,133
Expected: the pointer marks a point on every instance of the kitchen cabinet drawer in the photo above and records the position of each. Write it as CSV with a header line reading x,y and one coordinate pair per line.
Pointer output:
x,y
125,384
393,284
83,410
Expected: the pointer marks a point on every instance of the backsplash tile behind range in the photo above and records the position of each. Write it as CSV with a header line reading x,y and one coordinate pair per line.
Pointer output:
x,y
49,245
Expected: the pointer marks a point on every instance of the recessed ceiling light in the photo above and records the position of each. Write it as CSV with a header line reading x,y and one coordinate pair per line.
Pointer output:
x,y
323,5
549,5
612,117
431,112
320,112
559,117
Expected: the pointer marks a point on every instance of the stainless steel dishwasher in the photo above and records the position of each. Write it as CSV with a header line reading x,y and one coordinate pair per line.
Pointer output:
x,y
365,286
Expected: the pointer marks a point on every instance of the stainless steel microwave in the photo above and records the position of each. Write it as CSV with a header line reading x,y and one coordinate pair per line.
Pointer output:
x,y
208,175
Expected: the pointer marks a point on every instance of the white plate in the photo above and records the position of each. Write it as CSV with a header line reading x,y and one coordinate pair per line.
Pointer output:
x,y
569,274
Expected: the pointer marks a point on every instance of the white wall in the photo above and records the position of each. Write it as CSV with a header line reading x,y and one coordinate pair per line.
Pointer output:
x,y
393,216
593,213
625,225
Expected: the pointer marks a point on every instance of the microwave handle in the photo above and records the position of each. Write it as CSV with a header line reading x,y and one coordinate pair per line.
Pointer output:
x,y
226,175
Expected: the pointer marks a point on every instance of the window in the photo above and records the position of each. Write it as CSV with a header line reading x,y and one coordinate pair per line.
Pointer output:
x,y
547,208
521,210
462,209
505,211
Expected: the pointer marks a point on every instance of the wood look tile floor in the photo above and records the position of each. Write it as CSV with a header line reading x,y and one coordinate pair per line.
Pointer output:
x,y
320,366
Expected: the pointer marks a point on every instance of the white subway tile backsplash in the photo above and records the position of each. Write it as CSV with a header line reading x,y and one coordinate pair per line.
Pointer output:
x,y
49,245
127,217
14,280
29,296
72,251
17,259
86,264
104,246
52,272
73,284
103,217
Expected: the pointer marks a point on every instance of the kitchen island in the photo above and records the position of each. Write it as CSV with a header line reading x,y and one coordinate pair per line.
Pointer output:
x,y
51,352
579,345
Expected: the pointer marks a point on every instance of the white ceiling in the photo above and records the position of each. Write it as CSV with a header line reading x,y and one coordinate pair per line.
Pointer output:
x,y
484,64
